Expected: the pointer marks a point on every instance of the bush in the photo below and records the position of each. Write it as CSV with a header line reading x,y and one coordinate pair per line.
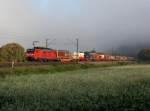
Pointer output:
x,y
12,52
144,55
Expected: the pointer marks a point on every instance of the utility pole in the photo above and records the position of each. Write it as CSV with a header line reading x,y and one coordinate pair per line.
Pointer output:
x,y
112,52
35,42
47,42
77,50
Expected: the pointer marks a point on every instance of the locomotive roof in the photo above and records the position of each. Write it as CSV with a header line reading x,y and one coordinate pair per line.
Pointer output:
x,y
43,48
98,53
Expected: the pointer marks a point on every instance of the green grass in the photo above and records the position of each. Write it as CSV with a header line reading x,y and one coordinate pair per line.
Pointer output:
x,y
121,88
54,68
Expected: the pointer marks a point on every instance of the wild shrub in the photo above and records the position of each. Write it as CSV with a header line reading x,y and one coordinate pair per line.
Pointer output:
x,y
144,55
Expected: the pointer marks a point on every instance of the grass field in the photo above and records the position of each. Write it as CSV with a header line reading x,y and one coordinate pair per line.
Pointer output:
x,y
118,88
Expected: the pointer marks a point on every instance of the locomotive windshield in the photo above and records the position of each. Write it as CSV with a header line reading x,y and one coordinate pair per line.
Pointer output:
x,y
30,50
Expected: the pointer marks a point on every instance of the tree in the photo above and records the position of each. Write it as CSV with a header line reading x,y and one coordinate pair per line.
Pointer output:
x,y
144,55
12,52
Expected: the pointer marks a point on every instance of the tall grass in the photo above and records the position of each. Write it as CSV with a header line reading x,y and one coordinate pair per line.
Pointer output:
x,y
123,88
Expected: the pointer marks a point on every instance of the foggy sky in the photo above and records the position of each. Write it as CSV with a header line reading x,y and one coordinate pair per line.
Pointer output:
x,y
99,24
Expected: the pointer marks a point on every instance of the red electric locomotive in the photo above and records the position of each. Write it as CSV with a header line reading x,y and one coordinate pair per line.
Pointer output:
x,y
47,54
41,54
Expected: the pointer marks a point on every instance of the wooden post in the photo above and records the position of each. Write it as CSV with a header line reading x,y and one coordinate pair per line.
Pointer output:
x,y
12,64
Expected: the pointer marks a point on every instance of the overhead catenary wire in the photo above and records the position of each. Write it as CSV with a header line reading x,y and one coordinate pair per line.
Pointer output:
x,y
49,43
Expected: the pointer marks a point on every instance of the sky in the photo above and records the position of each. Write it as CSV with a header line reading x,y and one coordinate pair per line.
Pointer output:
x,y
99,24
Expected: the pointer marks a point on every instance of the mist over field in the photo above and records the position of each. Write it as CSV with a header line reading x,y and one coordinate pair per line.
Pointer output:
x,y
101,24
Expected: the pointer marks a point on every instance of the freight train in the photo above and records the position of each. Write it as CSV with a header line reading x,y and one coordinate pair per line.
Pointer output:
x,y
47,54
